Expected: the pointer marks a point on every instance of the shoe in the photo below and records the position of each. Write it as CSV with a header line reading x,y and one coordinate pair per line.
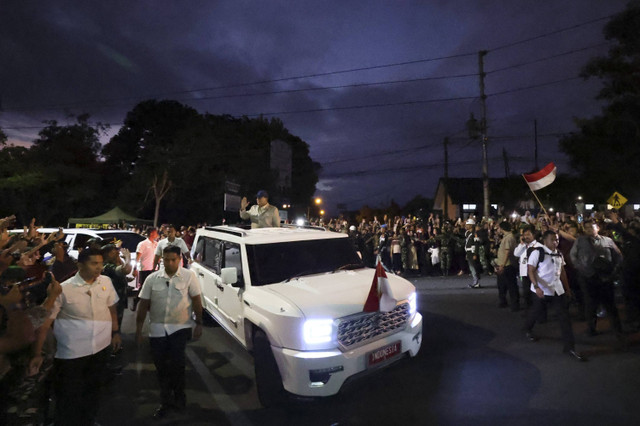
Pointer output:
x,y
576,355
162,412
531,337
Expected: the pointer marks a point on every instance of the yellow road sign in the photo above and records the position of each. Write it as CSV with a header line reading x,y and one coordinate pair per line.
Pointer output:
x,y
616,200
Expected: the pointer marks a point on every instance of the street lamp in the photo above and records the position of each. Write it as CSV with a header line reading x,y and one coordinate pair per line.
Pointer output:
x,y
317,202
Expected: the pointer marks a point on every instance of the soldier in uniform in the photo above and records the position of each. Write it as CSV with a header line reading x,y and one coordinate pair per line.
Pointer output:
x,y
446,248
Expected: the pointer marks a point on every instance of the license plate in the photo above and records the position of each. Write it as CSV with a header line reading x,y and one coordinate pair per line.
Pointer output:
x,y
383,354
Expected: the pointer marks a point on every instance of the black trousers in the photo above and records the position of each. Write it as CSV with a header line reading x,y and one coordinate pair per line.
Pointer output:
x,y
562,308
597,291
527,295
77,384
142,276
169,359
508,283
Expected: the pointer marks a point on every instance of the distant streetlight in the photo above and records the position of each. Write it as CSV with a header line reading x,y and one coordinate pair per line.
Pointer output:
x,y
317,201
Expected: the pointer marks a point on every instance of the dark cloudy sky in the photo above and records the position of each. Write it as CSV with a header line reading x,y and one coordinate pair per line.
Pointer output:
x,y
372,86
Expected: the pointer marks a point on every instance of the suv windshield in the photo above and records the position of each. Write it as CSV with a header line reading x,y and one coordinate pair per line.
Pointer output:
x,y
273,263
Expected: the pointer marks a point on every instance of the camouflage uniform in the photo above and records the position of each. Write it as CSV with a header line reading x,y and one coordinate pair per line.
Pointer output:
x,y
446,250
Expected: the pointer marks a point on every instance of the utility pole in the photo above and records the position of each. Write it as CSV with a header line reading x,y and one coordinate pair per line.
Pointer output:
x,y
505,158
535,143
445,208
483,131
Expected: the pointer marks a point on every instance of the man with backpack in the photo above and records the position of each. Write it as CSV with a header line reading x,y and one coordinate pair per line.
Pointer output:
x,y
550,285
596,258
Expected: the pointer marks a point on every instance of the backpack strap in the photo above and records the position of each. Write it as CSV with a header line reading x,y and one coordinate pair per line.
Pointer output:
x,y
541,255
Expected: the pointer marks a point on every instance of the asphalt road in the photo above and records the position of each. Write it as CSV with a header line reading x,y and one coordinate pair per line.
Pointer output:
x,y
474,368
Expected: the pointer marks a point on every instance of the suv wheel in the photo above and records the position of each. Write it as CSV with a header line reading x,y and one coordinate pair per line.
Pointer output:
x,y
268,380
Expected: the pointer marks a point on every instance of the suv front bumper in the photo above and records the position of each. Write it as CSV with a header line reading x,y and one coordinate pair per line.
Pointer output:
x,y
322,373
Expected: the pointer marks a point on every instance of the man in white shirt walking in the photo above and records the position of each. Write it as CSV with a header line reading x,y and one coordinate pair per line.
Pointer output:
x,y
550,285
86,330
170,295
171,240
145,255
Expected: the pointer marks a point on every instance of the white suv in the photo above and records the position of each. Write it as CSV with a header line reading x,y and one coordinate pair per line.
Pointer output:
x,y
295,298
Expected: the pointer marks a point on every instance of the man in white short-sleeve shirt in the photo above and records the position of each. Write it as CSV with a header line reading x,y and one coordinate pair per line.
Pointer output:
x,y
170,295
527,241
86,329
171,240
550,285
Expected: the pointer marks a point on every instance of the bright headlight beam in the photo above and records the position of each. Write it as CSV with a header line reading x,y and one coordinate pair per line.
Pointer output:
x,y
318,331
413,303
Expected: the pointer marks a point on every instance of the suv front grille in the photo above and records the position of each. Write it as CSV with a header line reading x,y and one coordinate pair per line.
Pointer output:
x,y
359,329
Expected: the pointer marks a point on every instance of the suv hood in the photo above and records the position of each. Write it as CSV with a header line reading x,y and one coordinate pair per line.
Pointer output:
x,y
335,295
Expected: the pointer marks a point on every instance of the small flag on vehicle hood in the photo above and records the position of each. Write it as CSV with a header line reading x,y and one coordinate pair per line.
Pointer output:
x,y
379,298
544,177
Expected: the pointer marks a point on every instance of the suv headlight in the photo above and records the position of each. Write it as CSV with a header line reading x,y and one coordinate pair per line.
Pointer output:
x,y
318,331
413,303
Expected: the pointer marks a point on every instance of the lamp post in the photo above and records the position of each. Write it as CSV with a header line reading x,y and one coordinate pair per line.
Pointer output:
x,y
317,201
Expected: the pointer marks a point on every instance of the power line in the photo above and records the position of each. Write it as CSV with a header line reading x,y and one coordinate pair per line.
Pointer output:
x,y
518,89
289,91
381,105
399,169
379,154
254,83
354,107
546,58
558,31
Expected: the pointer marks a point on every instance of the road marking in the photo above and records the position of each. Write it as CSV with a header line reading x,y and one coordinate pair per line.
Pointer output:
x,y
222,400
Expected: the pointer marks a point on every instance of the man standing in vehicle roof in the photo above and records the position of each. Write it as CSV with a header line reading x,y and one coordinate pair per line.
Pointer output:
x,y
262,214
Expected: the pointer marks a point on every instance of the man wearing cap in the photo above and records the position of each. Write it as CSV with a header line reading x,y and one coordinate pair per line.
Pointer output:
x,y
262,214
471,249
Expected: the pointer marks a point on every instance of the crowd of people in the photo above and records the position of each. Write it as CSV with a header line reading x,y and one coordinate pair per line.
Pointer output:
x,y
538,261
596,258
61,317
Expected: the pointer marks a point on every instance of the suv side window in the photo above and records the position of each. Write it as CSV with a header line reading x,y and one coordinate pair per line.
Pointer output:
x,y
233,258
212,252
81,241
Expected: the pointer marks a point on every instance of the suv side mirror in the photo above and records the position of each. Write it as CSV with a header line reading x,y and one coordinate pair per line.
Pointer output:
x,y
229,275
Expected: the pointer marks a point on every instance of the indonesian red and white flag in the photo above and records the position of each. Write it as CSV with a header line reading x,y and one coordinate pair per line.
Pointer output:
x,y
380,298
544,177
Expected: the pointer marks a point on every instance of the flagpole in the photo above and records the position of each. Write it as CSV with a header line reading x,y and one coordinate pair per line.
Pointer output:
x,y
534,194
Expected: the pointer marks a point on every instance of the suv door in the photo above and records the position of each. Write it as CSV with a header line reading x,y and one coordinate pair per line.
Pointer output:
x,y
208,255
230,295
